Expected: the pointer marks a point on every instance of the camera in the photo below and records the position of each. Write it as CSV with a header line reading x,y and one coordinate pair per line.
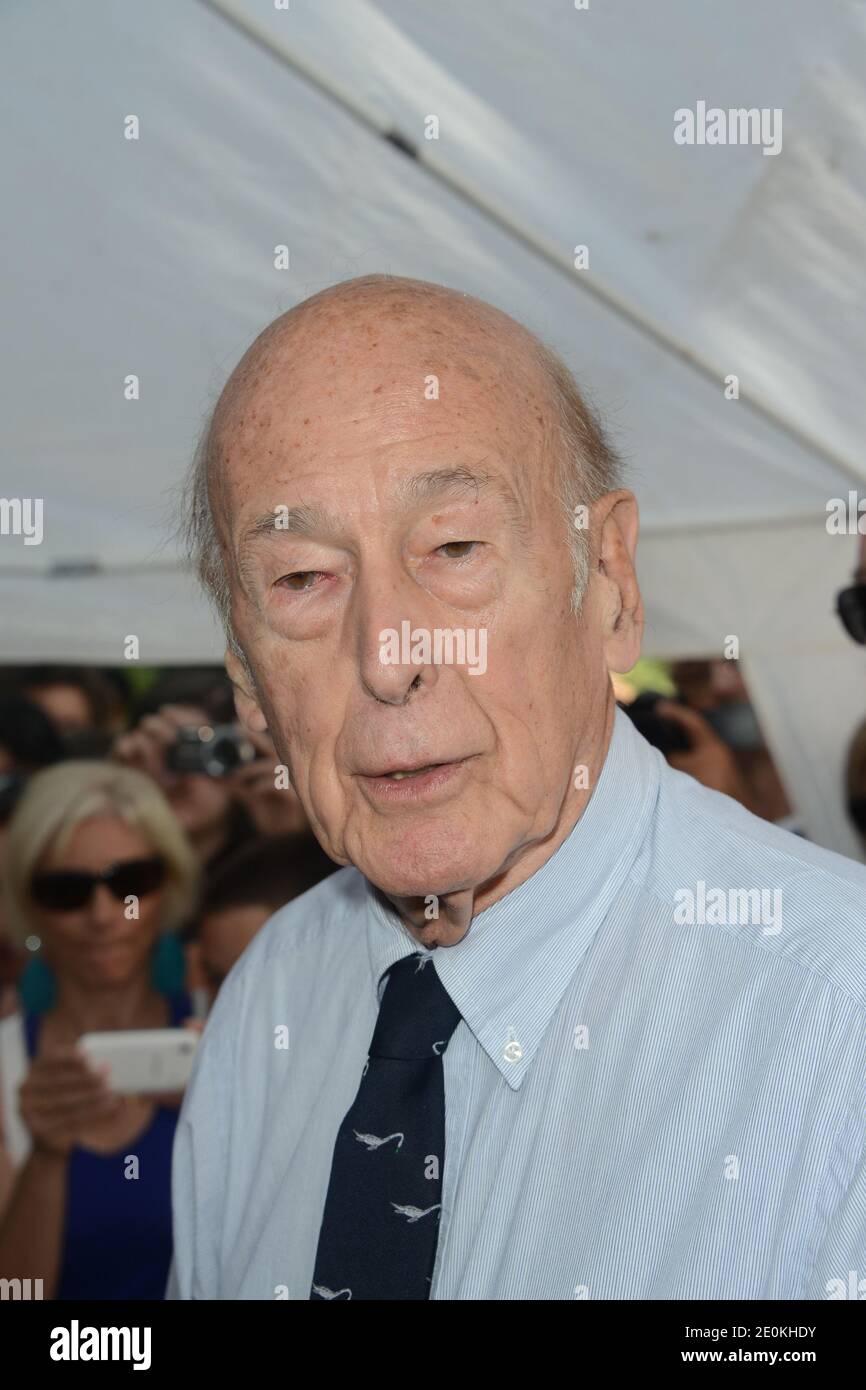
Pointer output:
x,y
663,734
214,750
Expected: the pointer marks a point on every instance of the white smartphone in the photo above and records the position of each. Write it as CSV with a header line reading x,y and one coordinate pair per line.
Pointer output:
x,y
143,1061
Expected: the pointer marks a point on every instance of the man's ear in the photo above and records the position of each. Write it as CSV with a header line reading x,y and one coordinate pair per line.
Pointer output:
x,y
622,606
246,701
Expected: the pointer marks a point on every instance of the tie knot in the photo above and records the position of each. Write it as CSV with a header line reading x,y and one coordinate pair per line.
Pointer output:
x,y
417,1015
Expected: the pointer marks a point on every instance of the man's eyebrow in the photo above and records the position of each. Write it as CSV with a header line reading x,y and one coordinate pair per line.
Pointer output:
x,y
308,518
458,483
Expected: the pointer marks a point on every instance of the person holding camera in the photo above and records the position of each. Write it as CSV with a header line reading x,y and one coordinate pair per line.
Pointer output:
x,y
204,804
220,782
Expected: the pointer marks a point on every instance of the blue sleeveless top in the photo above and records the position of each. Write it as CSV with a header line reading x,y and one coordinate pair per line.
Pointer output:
x,y
117,1236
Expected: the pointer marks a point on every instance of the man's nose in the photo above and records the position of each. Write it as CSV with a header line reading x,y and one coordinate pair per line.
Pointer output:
x,y
390,614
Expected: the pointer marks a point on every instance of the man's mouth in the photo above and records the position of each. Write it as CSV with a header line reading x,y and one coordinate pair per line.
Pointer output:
x,y
421,780
398,775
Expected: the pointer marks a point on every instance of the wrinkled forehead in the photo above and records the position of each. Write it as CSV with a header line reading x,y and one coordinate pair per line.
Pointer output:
x,y
444,385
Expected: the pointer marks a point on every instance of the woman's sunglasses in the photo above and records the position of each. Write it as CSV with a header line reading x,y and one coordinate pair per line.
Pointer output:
x,y
851,607
66,890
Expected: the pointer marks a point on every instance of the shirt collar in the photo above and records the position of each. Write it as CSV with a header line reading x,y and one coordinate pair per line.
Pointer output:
x,y
509,972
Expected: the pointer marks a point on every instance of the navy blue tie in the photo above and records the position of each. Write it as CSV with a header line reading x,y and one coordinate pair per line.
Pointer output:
x,y
381,1219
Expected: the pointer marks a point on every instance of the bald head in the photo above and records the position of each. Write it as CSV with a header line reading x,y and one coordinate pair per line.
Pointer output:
x,y
365,328
378,313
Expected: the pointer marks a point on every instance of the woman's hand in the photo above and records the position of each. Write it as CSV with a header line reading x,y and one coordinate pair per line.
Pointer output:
x,y
63,1096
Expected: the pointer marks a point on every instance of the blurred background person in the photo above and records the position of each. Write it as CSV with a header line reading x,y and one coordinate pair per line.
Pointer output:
x,y
851,607
28,742
205,803
222,802
274,809
851,601
855,782
77,699
716,689
270,809
246,890
89,845
710,731
154,721
29,739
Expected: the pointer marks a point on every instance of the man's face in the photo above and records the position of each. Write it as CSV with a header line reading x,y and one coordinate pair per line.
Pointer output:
x,y
341,425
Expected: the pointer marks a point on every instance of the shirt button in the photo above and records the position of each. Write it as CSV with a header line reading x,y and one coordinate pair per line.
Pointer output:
x,y
512,1052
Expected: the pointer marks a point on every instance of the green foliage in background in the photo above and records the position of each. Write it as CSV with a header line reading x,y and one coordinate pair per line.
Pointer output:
x,y
651,675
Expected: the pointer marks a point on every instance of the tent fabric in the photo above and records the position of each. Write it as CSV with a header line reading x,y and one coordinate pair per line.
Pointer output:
x,y
262,127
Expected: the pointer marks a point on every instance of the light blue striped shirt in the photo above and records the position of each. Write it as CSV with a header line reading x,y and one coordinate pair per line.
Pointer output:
x,y
657,1088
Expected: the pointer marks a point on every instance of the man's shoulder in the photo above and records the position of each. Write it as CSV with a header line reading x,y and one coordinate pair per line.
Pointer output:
x,y
303,963
314,931
311,921
813,900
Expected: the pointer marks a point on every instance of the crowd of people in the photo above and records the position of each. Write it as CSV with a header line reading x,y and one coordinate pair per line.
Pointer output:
x,y
144,840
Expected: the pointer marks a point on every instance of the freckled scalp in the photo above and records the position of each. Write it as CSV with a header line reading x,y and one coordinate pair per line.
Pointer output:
x,y
351,316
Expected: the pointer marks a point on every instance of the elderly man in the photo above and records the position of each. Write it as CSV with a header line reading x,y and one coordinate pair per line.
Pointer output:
x,y
567,1025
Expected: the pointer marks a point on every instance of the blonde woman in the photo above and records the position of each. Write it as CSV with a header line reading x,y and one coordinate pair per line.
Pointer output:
x,y
96,867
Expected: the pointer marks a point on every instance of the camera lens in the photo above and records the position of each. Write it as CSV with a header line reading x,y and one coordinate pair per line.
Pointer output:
x,y
224,755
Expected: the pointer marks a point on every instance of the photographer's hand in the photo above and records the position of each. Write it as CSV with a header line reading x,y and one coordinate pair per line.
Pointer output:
x,y
274,810
145,746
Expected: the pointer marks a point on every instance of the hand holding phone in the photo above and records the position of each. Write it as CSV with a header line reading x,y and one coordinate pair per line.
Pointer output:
x,y
143,1061
62,1096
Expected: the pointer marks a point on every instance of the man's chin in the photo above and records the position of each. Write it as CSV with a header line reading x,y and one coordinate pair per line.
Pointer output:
x,y
427,862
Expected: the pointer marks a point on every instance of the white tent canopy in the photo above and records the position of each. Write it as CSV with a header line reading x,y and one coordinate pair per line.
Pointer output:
x,y
262,127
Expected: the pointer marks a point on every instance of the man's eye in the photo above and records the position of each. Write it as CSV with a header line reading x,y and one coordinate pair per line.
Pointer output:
x,y
298,581
456,550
